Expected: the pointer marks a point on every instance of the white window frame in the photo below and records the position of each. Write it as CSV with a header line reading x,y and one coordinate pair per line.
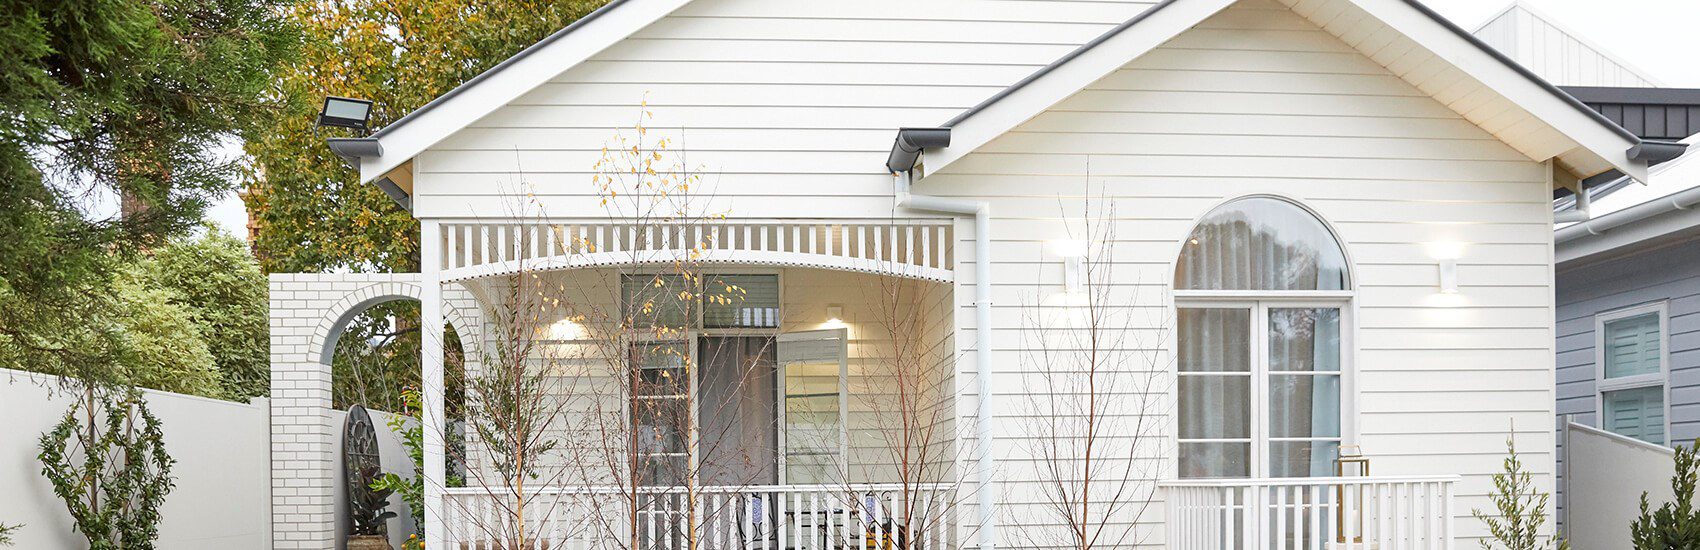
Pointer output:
x,y
1260,300
1661,378
843,336
1259,303
692,337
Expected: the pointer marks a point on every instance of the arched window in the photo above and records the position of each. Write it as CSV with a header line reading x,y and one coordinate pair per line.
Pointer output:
x,y
1261,243
1261,312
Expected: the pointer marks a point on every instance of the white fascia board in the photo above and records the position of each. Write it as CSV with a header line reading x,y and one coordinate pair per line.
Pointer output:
x,y
504,83
1070,77
1590,133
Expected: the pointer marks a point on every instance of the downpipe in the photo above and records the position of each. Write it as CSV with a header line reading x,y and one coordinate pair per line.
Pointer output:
x,y
984,434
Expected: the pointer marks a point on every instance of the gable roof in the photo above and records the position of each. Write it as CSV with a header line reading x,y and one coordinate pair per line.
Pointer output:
x,y
1415,43
396,144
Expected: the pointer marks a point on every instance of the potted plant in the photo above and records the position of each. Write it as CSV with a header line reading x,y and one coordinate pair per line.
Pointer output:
x,y
368,510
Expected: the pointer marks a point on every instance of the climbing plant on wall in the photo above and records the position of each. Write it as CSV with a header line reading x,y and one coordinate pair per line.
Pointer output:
x,y
106,459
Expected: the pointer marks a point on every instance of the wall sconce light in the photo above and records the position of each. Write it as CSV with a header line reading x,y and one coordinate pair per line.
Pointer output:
x,y
1074,275
835,315
1073,254
1449,276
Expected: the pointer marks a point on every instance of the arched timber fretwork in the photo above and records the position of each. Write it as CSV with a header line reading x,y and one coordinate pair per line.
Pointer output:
x,y
915,249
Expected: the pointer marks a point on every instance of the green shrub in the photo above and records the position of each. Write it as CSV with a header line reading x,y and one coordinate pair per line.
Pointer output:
x,y
1676,525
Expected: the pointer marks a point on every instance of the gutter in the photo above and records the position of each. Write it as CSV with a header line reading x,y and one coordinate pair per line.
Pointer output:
x,y
1682,200
351,150
905,153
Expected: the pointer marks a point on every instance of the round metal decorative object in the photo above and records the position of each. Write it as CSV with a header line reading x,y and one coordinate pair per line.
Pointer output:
x,y
359,457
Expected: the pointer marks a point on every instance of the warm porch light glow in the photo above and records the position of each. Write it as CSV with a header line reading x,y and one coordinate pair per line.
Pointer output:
x,y
565,329
1067,248
834,317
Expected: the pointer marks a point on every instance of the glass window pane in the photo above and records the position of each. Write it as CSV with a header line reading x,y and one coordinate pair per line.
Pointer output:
x,y
1302,405
812,365
1261,243
1302,458
1214,340
1304,339
1215,407
1632,346
1637,413
1232,459
657,301
741,301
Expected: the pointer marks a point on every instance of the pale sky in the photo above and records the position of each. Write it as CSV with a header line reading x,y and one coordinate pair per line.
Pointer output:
x,y
1657,37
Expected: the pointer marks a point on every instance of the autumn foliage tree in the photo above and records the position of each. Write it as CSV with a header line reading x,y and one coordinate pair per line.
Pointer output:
x,y
313,212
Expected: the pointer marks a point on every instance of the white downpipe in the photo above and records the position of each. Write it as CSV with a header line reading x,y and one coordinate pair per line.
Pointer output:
x,y
1581,213
985,472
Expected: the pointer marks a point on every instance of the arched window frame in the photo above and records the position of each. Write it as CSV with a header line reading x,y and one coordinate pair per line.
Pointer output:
x,y
1259,302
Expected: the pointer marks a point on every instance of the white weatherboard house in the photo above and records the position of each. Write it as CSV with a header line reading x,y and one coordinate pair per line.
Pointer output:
x,y
1336,214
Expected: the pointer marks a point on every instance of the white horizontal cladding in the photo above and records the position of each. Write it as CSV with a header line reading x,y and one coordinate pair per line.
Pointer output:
x,y
800,517
1344,513
914,248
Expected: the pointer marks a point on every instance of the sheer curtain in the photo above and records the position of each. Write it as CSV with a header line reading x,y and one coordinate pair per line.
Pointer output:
x,y
1261,244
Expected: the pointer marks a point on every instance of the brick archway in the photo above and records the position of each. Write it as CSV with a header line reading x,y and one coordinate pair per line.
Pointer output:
x,y
308,313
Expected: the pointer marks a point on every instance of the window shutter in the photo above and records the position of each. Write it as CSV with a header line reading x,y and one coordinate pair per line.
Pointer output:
x,y
1637,413
1632,346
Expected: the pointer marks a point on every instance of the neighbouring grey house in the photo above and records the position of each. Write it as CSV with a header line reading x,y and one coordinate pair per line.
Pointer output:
x,y
1627,286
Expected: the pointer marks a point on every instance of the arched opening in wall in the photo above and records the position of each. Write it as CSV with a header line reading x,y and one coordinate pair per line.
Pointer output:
x,y
373,354
375,360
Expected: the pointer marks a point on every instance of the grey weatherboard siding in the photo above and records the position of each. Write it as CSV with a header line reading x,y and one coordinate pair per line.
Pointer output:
x,y
1670,273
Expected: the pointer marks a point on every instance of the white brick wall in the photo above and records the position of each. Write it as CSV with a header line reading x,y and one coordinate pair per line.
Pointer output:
x,y
307,309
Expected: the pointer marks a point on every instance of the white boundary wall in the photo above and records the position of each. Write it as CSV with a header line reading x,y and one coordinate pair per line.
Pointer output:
x,y
223,476
223,490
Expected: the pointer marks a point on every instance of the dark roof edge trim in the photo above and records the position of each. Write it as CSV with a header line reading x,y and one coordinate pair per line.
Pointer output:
x,y
1635,96
1654,152
1077,52
906,149
575,25
1431,14
396,194
353,149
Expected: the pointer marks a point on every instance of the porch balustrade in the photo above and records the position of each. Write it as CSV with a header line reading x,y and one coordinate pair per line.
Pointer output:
x,y
781,517
1333,513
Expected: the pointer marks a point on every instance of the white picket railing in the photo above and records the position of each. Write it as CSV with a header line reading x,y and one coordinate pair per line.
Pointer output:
x,y
1333,513
785,517
913,248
